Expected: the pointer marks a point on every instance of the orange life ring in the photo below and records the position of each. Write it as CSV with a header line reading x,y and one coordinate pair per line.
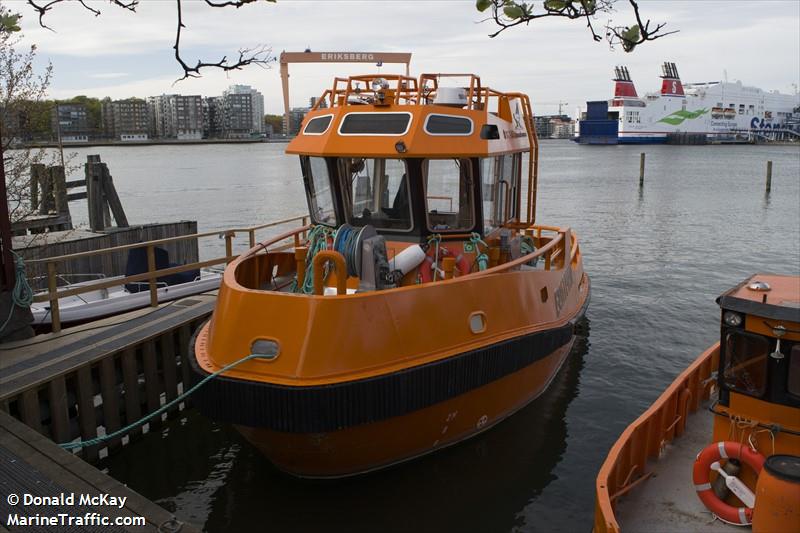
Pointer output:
x,y
702,469
426,268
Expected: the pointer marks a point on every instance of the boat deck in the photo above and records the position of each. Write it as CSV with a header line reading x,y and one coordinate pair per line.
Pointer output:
x,y
667,501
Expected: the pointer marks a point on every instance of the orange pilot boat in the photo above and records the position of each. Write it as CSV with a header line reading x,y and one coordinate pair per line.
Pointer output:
x,y
421,306
736,461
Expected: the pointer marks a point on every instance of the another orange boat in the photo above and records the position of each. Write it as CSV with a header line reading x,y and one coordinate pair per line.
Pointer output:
x,y
420,307
720,448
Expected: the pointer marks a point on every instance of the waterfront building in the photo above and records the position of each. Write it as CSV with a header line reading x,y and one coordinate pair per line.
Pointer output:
x,y
554,127
70,123
237,115
176,116
313,101
296,116
212,117
125,120
256,105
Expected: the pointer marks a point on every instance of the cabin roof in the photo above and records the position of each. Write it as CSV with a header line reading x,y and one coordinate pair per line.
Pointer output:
x,y
780,302
440,121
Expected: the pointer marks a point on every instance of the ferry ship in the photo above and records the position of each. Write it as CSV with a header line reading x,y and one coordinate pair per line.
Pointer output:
x,y
694,112
720,448
421,306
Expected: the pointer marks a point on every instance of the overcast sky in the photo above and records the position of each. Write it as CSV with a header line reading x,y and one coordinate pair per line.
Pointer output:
x,y
122,54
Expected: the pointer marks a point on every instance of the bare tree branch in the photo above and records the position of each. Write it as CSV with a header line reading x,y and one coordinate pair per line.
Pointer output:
x,y
260,55
510,13
232,3
629,37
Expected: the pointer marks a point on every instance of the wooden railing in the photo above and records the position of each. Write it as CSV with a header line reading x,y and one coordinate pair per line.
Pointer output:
x,y
152,274
626,464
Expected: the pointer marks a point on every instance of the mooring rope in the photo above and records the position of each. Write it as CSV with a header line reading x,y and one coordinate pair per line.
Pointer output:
x,y
480,257
121,432
22,294
347,243
317,241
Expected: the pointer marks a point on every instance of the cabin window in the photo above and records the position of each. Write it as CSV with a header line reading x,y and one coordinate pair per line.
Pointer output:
x,y
318,125
793,381
448,125
392,123
746,363
448,194
320,193
496,179
377,192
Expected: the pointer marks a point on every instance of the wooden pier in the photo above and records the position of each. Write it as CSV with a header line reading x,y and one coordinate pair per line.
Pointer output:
x,y
32,464
91,380
86,382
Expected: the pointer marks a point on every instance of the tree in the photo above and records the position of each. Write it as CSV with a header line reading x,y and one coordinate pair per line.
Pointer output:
x,y
22,106
509,13
276,121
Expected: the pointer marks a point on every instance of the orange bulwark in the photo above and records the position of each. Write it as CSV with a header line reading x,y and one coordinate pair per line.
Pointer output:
x,y
753,413
420,307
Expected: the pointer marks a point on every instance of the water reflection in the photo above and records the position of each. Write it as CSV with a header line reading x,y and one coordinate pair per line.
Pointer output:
x,y
209,475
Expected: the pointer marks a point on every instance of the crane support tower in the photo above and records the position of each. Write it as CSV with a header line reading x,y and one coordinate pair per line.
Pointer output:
x,y
332,57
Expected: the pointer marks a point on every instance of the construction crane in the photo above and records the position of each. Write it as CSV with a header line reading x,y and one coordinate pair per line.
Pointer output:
x,y
308,56
560,104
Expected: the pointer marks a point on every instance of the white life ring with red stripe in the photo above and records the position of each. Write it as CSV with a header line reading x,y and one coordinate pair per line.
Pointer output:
x,y
426,268
701,477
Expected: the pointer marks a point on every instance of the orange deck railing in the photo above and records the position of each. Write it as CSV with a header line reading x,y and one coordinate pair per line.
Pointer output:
x,y
626,464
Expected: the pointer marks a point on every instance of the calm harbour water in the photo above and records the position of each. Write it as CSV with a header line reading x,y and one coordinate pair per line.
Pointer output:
x,y
657,258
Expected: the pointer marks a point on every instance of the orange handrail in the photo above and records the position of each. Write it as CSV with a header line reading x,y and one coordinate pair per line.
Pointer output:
x,y
626,464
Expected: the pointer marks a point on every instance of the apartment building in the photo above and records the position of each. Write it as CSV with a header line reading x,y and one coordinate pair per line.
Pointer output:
x,y
126,120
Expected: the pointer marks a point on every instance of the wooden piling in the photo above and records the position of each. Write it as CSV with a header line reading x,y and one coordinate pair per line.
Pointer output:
x,y
36,171
46,203
641,170
769,176
59,183
110,193
94,192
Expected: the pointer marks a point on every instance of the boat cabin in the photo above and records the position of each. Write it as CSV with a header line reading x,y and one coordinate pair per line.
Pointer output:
x,y
759,367
413,158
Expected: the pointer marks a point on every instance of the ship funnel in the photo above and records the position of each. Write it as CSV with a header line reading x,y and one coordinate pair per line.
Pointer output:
x,y
623,85
671,82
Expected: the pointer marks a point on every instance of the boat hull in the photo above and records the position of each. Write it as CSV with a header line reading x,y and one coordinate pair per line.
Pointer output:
x,y
359,382
314,447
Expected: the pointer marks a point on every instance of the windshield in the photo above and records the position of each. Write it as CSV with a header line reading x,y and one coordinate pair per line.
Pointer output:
x,y
320,193
448,194
377,192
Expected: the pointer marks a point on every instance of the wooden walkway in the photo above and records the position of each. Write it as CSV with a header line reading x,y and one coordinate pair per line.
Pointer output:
x,y
86,382
32,464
